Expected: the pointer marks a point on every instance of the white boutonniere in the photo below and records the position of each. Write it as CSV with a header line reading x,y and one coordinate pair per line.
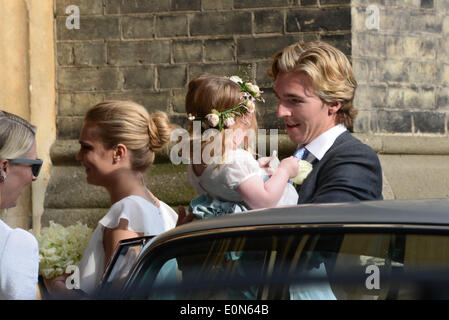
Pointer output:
x,y
304,170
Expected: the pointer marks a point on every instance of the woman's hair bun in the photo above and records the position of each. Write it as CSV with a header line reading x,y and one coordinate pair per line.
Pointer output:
x,y
159,130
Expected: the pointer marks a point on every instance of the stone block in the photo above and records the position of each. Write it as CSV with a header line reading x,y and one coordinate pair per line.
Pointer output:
x,y
262,78
91,28
89,54
87,79
269,21
138,27
422,98
395,97
217,4
77,104
133,6
429,122
424,72
262,48
221,23
152,101
427,4
306,20
327,2
225,69
390,70
68,127
83,101
362,122
393,121
368,45
135,53
138,77
191,5
371,96
171,26
63,152
242,4
178,100
423,22
86,7
187,50
442,97
64,54
172,76
343,42
219,49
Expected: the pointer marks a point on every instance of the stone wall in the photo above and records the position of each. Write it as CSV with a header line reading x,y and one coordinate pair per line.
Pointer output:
x,y
402,66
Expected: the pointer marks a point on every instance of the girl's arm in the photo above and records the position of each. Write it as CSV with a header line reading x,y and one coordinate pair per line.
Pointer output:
x,y
111,238
258,194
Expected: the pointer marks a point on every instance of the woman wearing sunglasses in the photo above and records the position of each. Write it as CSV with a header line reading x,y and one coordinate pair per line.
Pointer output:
x,y
19,166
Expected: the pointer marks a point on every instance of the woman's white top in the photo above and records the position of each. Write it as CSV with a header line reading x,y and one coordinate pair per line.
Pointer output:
x,y
143,217
19,264
221,182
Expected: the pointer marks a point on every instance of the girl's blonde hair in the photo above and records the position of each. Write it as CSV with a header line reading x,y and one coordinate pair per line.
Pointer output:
x,y
207,92
130,123
16,136
329,69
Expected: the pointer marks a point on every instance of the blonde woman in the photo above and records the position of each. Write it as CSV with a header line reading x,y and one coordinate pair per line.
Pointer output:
x,y
118,141
19,166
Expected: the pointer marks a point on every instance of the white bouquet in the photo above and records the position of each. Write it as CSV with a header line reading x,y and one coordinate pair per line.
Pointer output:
x,y
60,247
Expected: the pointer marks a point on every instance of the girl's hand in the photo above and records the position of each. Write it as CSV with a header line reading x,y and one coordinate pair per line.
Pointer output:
x,y
291,165
264,163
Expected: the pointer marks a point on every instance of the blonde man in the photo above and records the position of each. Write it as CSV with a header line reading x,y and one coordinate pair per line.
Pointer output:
x,y
315,87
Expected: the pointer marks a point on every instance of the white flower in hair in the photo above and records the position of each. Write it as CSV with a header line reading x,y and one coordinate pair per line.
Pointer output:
x,y
213,119
253,89
191,117
236,79
229,122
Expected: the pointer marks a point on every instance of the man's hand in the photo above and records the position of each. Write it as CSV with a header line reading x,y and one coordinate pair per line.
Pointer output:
x,y
183,216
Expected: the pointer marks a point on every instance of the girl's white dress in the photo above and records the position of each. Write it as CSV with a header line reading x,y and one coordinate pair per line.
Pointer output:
x,y
143,217
217,185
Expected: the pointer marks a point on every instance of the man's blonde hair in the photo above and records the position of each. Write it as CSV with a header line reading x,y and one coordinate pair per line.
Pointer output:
x,y
16,136
130,123
330,72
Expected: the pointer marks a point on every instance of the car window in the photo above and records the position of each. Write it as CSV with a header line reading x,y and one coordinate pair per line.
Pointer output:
x,y
288,265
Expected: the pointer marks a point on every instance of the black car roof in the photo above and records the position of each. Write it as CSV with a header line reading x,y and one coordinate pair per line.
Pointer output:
x,y
420,212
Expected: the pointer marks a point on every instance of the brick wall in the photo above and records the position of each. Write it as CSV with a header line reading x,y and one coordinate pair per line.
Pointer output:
x,y
148,50
402,67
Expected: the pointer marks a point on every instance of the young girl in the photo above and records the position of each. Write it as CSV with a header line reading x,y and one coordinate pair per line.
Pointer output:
x,y
235,182
118,141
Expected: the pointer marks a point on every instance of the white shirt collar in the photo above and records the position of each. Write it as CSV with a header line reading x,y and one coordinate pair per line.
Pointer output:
x,y
321,144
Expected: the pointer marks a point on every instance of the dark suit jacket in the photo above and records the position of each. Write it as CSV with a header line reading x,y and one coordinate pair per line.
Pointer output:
x,y
349,171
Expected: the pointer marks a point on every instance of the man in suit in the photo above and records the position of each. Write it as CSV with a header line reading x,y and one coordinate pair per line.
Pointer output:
x,y
315,87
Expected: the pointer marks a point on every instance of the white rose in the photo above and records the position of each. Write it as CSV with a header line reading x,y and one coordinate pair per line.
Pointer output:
x,y
236,79
253,89
229,122
212,119
304,170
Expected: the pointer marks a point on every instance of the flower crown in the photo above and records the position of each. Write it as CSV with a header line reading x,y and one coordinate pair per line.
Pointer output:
x,y
226,118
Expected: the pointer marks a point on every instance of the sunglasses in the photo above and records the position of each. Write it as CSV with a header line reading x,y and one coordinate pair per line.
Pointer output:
x,y
36,164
